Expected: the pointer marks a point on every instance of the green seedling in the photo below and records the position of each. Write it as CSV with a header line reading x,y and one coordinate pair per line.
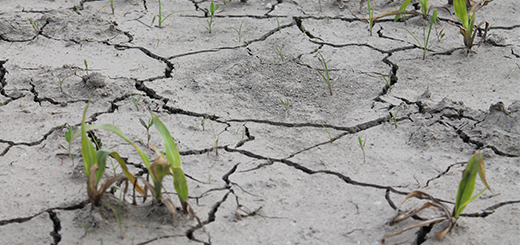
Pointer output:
x,y
325,76
94,162
388,80
211,14
279,50
118,217
362,145
239,31
35,25
402,9
512,69
467,20
464,196
86,65
87,229
278,22
203,121
60,82
147,126
112,6
394,116
330,136
243,131
425,47
285,106
370,16
136,101
160,15
68,137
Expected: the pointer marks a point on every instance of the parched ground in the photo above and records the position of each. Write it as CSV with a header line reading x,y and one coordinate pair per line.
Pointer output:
x,y
277,175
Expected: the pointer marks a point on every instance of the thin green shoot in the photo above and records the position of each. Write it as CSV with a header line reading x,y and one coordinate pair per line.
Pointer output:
x,y
215,137
467,184
60,82
160,15
118,217
87,229
512,69
467,20
370,16
243,131
35,25
211,13
388,80
147,126
239,31
209,177
86,65
68,138
112,5
394,116
330,136
325,76
285,106
136,101
362,145
426,40
278,22
402,9
279,50
203,121
101,240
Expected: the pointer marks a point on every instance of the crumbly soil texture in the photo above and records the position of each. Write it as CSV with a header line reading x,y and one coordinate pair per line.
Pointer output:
x,y
258,172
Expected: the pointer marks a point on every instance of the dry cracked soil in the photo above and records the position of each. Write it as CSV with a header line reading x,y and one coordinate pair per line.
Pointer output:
x,y
294,175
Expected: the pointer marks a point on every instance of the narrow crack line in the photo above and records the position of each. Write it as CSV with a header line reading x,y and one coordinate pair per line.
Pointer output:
x,y
366,45
169,65
310,171
246,43
57,227
76,206
444,172
12,143
211,218
504,27
349,130
159,238
299,24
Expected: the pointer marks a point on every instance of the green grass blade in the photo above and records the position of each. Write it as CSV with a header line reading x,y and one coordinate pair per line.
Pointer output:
x,y
172,153
461,12
179,182
467,184
174,158
402,9
102,155
87,148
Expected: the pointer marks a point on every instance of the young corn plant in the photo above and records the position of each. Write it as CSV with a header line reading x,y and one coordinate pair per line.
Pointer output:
x,y
362,145
279,50
464,196
60,82
511,70
467,20
325,76
95,165
239,31
426,40
330,136
393,117
68,137
285,106
160,17
211,13
35,25
86,65
147,126
112,6
136,101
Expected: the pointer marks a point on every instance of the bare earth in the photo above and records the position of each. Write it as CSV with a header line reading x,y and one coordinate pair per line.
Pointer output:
x,y
278,177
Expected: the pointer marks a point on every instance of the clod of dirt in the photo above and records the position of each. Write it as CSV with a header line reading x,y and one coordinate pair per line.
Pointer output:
x,y
94,80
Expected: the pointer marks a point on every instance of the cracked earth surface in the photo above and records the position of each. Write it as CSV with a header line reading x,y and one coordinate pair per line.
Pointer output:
x,y
306,187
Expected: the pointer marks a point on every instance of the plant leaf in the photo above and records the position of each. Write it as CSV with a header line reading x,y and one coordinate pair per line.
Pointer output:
x,y
87,148
461,12
402,8
467,184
